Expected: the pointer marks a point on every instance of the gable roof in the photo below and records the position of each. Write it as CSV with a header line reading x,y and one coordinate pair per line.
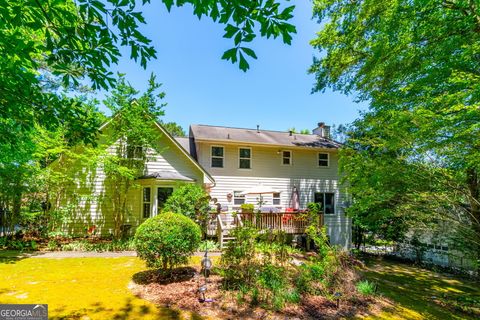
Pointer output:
x,y
263,137
184,151
178,142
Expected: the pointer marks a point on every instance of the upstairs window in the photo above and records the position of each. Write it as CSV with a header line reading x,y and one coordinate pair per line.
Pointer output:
x,y
245,158
238,198
134,152
217,155
323,159
286,158
326,201
147,202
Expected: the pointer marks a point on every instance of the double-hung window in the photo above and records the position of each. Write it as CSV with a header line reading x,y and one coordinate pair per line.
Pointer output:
x,y
323,159
276,199
238,198
245,158
217,156
326,201
286,157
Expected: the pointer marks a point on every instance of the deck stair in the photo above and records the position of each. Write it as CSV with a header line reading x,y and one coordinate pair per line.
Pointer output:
x,y
225,223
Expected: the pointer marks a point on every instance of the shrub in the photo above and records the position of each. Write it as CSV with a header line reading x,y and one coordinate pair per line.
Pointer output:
x,y
167,240
254,265
17,244
272,285
52,245
309,276
189,199
238,258
208,244
247,207
366,288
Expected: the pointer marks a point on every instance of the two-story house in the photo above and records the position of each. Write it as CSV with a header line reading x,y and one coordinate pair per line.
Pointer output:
x,y
227,162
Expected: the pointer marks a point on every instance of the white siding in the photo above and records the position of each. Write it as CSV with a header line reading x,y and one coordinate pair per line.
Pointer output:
x,y
267,169
87,197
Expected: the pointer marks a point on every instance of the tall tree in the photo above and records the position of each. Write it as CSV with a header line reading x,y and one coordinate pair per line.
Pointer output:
x,y
417,63
132,135
174,129
78,41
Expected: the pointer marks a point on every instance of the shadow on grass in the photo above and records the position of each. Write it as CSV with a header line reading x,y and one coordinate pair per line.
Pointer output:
x,y
422,292
127,311
11,256
156,276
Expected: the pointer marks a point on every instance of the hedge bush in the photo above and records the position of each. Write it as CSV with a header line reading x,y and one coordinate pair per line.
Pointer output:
x,y
189,199
167,240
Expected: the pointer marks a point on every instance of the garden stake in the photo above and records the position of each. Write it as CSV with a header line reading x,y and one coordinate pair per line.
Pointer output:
x,y
206,266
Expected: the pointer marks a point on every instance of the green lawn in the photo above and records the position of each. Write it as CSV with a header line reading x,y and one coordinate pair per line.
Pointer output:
x,y
79,288
96,288
420,294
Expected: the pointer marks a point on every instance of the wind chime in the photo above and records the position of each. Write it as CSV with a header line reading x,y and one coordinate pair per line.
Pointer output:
x,y
206,264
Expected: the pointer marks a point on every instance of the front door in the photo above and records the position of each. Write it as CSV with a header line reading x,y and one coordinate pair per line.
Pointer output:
x,y
162,195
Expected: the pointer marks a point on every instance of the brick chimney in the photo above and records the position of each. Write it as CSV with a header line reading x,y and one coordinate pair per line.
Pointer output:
x,y
322,130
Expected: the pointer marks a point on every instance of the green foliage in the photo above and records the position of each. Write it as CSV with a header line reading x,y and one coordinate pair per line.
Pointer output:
x,y
316,232
9,243
238,258
247,207
64,49
132,131
208,245
52,245
308,277
174,129
167,240
96,246
188,199
366,287
418,142
320,238
61,45
256,265
272,286
303,131
39,173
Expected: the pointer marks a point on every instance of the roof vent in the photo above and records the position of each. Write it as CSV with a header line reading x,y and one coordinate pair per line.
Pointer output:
x,y
290,132
258,128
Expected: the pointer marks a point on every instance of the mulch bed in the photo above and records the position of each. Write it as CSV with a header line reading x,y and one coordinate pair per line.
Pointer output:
x,y
180,291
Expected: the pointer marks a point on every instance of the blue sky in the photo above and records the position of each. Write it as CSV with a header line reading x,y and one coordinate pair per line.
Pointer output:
x,y
203,89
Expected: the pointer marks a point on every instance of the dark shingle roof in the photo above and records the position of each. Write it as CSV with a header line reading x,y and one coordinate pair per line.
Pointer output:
x,y
277,138
166,175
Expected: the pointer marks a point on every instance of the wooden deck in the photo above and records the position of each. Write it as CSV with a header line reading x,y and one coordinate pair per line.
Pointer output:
x,y
290,223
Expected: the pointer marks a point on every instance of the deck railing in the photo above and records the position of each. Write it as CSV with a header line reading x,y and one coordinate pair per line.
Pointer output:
x,y
291,223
